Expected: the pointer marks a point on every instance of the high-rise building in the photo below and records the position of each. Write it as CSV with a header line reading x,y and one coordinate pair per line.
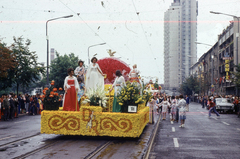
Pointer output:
x,y
180,35
52,54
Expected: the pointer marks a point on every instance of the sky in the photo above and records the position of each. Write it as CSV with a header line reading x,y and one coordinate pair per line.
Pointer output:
x,y
132,28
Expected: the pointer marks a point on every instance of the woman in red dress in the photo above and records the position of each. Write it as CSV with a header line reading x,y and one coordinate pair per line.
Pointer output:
x,y
71,88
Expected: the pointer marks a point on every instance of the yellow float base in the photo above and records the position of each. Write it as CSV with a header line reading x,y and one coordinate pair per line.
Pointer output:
x,y
91,121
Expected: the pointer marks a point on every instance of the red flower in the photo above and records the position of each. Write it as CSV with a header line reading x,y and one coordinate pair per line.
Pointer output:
x,y
60,89
56,94
115,64
52,93
54,89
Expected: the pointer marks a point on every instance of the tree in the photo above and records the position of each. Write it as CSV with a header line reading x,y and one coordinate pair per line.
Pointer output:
x,y
27,70
236,78
190,86
7,60
59,66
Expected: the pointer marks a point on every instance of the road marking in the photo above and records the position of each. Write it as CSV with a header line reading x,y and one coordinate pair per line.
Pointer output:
x,y
215,118
173,129
238,129
171,122
6,137
175,141
225,123
21,121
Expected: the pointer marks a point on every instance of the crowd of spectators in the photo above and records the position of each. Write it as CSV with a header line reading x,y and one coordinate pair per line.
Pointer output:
x,y
203,100
12,105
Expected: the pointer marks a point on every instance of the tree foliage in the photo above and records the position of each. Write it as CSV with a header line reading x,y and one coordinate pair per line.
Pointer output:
x,y
7,60
190,86
236,74
28,69
59,66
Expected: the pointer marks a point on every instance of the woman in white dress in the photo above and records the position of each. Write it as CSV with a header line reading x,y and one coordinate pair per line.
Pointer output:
x,y
117,85
182,110
152,104
94,76
165,104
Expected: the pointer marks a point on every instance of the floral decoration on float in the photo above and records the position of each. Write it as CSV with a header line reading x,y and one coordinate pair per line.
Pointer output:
x,y
91,121
110,65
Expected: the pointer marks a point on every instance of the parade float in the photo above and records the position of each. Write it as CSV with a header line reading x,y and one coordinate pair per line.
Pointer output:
x,y
95,117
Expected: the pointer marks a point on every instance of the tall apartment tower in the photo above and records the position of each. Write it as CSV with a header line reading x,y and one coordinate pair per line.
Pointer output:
x,y
180,34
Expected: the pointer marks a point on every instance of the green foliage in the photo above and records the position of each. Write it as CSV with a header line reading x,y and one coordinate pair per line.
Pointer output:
x,y
130,94
28,69
59,66
237,76
190,86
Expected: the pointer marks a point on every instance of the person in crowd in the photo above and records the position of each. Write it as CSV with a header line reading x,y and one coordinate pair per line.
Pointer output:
x,y
177,109
94,76
23,104
117,85
6,108
212,108
32,106
182,110
80,70
81,91
152,110
11,102
165,104
27,102
71,88
173,108
235,102
187,102
16,103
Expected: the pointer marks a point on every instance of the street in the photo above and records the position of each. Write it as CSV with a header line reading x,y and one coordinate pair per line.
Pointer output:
x,y
21,138
202,137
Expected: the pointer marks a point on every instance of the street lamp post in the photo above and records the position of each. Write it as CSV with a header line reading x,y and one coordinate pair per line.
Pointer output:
x,y
68,16
237,35
93,46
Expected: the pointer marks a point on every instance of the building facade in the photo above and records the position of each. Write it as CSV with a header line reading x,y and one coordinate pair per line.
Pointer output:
x,y
215,67
180,34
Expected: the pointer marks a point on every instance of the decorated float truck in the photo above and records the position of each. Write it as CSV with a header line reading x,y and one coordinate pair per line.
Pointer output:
x,y
96,120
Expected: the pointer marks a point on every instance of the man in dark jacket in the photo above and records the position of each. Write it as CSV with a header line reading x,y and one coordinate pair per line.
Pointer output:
x,y
12,105
6,108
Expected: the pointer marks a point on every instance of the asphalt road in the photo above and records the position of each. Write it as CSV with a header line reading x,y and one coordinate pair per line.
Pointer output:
x,y
202,137
40,146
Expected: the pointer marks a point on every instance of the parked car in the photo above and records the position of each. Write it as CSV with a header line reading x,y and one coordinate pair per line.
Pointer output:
x,y
222,104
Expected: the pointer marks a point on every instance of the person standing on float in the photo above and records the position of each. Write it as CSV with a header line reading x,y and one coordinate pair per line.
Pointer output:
x,y
80,70
71,88
94,76
117,85
133,75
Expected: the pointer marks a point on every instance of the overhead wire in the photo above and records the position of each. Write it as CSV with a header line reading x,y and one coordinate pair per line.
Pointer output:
x,y
145,34
89,27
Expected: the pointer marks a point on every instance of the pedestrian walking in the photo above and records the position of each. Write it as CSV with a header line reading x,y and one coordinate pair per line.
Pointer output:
x,y
212,108
173,109
187,101
182,110
165,105
11,111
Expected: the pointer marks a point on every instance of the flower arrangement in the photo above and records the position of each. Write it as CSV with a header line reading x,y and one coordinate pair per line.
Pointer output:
x,y
130,94
96,97
147,94
51,97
